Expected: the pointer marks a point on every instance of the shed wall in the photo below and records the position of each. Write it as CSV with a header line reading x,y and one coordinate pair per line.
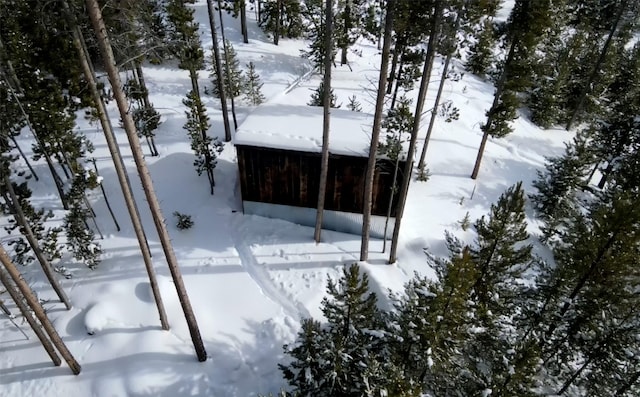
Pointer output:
x,y
291,178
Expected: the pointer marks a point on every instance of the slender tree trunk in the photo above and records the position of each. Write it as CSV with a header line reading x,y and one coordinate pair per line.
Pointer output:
x,y
26,313
276,34
218,67
146,102
375,134
397,87
106,199
605,174
491,114
227,72
123,178
54,174
436,103
324,165
346,27
390,206
422,94
596,69
37,309
434,111
397,49
24,158
258,11
22,221
243,21
105,47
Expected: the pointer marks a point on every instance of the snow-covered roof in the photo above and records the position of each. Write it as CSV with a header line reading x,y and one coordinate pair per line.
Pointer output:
x,y
299,127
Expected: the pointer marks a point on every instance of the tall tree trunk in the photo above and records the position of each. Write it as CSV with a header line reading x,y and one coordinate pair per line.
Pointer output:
x,y
13,81
121,172
434,111
436,103
491,114
324,167
104,195
397,50
397,87
95,15
26,313
218,67
422,94
227,74
596,69
22,221
38,310
375,134
390,206
276,34
346,27
243,21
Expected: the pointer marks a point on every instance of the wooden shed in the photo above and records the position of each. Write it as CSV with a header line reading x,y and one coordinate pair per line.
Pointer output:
x,y
279,155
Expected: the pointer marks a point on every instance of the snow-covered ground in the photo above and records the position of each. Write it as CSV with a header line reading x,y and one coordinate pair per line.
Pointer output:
x,y
250,279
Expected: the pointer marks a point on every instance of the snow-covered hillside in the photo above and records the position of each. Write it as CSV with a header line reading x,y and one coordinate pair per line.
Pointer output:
x,y
250,279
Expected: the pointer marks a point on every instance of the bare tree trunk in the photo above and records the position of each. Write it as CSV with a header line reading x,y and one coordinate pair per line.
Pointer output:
x,y
121,172
434,112
26,313
147,184
491,114
397,87
25,158
390,206
346,26
45,153
596,69
324,164
375,134
218,66
276,34
110,137
22,221
35,305
227,74
243,21
422,94
397,49
106,199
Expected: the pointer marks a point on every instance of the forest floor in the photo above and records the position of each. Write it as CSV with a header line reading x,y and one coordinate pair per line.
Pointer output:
x,y
250,279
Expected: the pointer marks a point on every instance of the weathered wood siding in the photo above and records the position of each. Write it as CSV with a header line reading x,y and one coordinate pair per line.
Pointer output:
x,y
292,178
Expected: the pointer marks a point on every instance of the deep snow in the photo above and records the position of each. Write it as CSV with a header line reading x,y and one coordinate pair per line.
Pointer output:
x,y
250,279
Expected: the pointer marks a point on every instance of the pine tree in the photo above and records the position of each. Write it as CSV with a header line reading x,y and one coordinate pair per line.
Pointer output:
x,y
313,11
481,52
252,86
282,18
558,187
354,105
235,81
527,22
80,238
347,357
204,146
501,255
317,97
398,124
590,302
